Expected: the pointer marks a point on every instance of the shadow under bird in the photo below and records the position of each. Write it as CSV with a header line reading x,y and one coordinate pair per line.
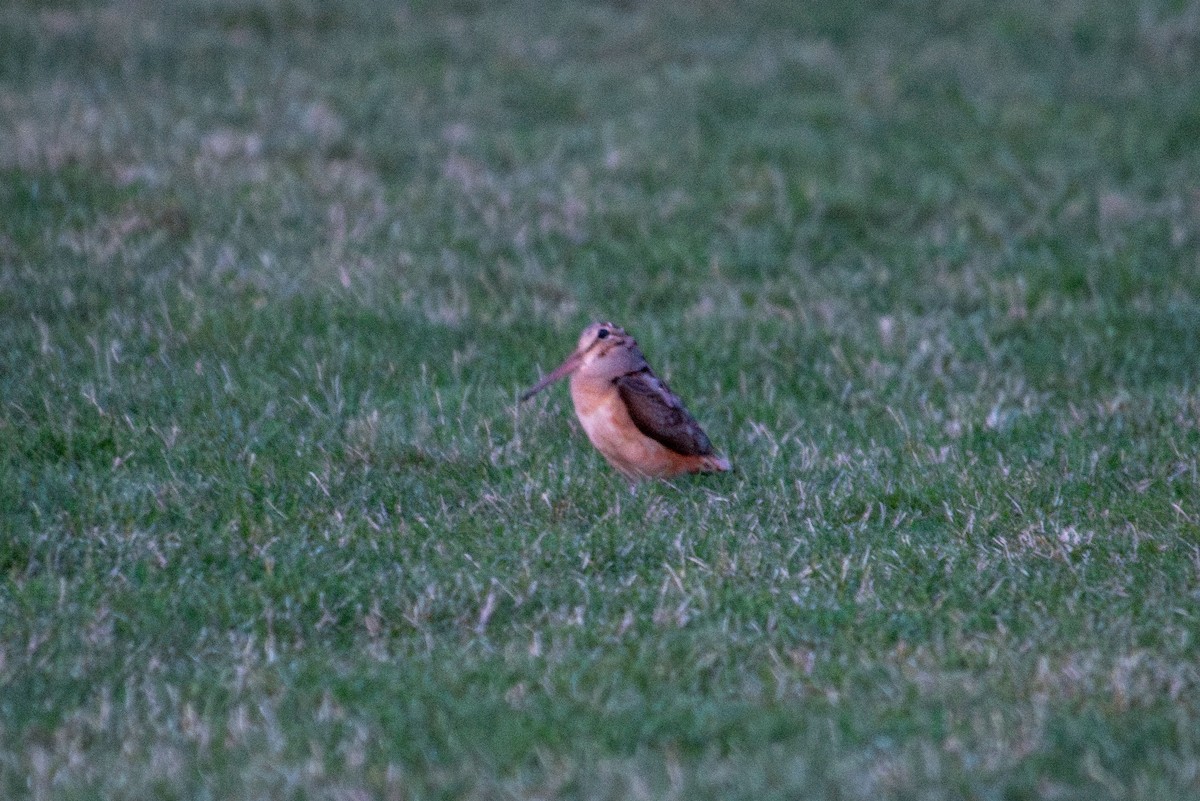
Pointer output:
x,y
636,422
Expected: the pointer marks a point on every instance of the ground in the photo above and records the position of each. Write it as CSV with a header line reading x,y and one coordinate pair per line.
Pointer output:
x,y
273,275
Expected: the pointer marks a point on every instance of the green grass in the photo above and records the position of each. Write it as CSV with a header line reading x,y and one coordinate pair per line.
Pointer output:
x,y
272,275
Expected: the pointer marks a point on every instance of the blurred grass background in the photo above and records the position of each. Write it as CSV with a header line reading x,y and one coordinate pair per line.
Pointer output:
x,y
272,275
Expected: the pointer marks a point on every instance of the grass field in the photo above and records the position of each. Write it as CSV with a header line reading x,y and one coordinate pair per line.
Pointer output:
x,y
272,524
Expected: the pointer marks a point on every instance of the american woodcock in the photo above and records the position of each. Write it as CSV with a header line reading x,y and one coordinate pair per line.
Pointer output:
x,y
639,425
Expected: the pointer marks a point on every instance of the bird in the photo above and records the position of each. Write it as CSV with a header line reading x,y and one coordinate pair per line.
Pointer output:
x,y
629,414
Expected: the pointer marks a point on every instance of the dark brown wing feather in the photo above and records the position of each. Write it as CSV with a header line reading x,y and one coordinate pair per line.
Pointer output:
x,y
659,414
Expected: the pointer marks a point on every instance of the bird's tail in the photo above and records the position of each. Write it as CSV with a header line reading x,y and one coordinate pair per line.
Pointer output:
x,y
714,464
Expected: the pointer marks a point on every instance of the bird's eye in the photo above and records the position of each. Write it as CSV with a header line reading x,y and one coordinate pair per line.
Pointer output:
x,y
602,333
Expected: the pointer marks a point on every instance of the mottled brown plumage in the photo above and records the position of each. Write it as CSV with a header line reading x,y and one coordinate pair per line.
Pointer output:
x,y
639,425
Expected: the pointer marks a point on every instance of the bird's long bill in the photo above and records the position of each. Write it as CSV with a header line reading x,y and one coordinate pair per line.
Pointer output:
x,y
566,368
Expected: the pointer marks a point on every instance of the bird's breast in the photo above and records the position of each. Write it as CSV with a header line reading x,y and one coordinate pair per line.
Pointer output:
x,y
599,408
608,426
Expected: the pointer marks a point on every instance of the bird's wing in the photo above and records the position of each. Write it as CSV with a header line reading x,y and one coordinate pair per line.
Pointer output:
x,y
659,414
